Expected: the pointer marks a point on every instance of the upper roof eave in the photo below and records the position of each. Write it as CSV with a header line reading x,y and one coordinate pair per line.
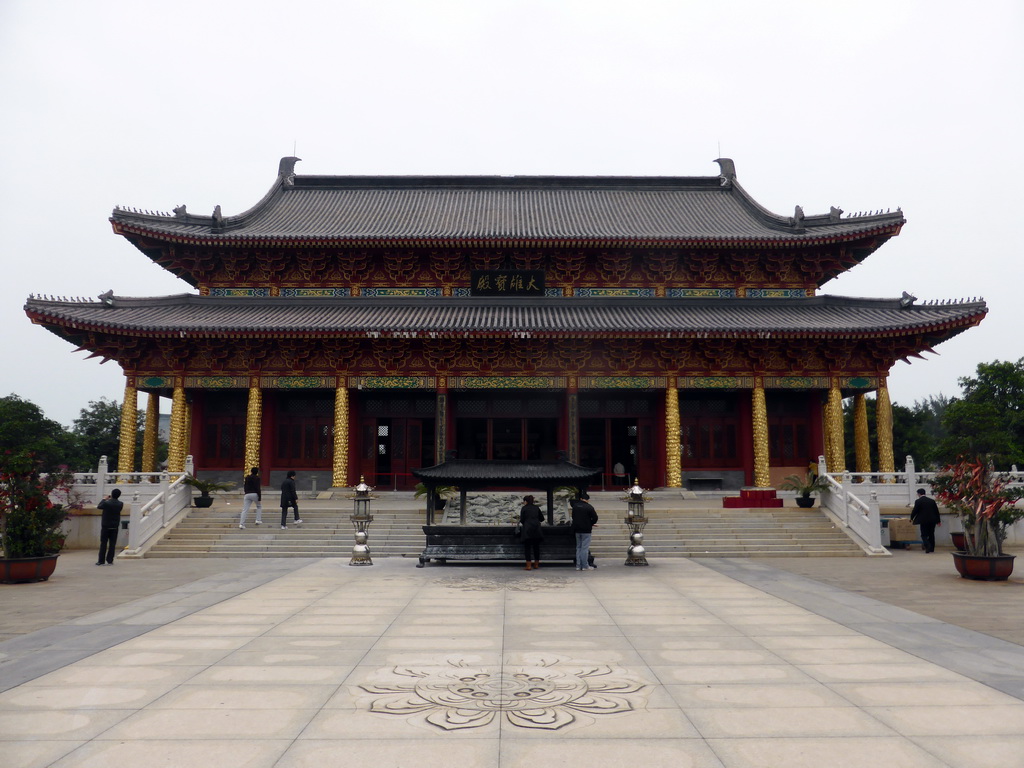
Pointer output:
x,y
505,209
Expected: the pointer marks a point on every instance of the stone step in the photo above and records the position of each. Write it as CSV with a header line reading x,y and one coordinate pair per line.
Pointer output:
x,y
702,531
601,556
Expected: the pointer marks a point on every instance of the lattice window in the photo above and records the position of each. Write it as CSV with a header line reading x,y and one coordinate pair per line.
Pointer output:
x,y
374,406
640,406
226,403
473,407
542,406
307,406
620,404
425,406
507,407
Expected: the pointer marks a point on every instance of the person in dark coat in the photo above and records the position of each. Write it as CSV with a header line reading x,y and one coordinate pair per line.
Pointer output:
x,y
111,507
926,515
530,518
584,518
289,498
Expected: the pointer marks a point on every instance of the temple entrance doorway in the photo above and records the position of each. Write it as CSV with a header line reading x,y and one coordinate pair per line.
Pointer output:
x,y
392,448
618,436
219,418
794,434
303,430
711,447
396,435
509,425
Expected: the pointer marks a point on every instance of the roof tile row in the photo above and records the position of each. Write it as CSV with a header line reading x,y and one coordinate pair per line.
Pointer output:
x,y
189,313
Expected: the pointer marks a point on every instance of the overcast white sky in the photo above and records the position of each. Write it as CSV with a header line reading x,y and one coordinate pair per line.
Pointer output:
x,y
864,105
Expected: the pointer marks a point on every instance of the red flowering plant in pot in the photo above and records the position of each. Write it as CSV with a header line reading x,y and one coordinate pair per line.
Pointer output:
x,y
33,508
986,504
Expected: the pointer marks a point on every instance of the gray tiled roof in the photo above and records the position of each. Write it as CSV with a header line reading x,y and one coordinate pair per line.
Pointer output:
x,y
506,209
202,315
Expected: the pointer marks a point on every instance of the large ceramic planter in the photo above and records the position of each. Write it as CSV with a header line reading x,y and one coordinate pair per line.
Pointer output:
x,y
959,541
805,502
202,501
27,569
983,567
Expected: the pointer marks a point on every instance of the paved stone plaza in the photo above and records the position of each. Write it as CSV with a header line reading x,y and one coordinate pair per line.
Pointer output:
x,y
302,662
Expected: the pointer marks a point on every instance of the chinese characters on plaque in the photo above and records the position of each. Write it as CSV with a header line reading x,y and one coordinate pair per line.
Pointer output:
x,y
507,282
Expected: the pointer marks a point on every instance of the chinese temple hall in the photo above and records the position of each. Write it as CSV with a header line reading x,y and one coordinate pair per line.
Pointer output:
x,y
668,329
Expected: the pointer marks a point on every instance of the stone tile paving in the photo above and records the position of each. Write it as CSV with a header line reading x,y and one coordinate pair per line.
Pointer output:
x,y
687,663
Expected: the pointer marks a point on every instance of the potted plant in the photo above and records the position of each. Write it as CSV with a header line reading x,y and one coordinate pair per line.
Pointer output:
x,y
33,508
441,494
205,488
986,505
804,487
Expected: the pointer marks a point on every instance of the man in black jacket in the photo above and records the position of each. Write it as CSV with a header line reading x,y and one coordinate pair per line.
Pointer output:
x,y
289,498
926,515
111,507
584,518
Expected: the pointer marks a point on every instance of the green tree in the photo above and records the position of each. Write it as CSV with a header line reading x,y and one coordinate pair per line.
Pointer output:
x,y
913,432
24,428
931,413
988,420
98,428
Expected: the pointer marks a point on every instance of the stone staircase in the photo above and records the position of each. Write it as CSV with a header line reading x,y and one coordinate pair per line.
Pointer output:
x,y
710,532
691,529
214,532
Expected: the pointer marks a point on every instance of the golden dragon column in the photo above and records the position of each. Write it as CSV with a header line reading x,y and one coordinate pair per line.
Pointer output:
x,y
179,430
673,462
861,440
883,426
253,428
835,444
762,476
339,478
152,434
129,428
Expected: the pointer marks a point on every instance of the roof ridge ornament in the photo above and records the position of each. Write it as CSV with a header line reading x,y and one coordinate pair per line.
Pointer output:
x,y
798,218
907,300
727,172
286,170
217,220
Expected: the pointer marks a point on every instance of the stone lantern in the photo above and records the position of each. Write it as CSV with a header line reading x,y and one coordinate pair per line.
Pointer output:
x,y
361,519
635,520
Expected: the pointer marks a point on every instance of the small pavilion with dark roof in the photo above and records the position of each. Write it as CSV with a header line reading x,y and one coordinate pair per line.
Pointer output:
x,y
480,474
368,325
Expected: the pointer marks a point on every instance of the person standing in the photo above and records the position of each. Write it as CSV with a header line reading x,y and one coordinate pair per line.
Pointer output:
x,y
253,491
289,498
926,514
530,518
584,518
111,507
